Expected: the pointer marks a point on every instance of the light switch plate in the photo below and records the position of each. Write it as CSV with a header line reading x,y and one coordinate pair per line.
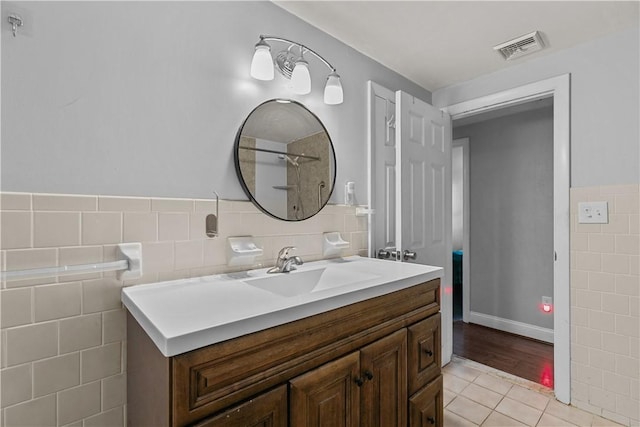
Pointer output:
x,y
593,213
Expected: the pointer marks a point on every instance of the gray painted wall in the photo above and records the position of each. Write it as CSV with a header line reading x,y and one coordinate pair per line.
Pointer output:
x,y
145,98
605,103
511,215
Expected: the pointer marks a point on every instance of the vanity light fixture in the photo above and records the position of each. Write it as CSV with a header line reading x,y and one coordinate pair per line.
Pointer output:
x,y
291,64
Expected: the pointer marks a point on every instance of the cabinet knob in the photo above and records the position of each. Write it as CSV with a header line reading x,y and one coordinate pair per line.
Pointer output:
x,y
368,375
359,381
429,352
431,420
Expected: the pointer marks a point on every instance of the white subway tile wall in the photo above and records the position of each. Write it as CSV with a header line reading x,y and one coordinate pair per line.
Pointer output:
x,y
63,340
605,294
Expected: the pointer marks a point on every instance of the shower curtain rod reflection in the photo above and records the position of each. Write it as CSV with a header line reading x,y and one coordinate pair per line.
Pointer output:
x,y
304,156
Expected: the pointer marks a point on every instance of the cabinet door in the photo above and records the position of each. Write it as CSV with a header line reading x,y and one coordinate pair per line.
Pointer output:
x,y
424,358
267,410
426,406
328,396
384,370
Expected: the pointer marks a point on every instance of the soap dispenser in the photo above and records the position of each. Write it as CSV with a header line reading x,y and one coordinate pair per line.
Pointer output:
x,y
350,193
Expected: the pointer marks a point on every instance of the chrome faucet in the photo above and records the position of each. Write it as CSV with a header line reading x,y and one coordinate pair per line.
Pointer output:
x,y
284,263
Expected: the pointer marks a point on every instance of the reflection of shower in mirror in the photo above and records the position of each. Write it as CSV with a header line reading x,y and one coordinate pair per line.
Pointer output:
x,y
297,207
320,187
294,162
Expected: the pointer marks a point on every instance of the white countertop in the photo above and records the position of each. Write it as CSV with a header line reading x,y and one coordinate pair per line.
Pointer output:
x,y
184,315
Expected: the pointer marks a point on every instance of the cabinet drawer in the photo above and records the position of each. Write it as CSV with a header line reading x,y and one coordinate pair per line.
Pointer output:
x,y
267,409
426,406
424,360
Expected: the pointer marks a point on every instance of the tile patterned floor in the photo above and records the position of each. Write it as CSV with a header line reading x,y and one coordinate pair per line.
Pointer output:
x,y
477,395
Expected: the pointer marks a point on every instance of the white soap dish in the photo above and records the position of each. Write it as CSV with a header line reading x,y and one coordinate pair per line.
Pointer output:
x,y
333,244
242,251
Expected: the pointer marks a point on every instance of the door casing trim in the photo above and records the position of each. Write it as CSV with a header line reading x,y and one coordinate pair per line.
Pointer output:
x,y
559,88
466,262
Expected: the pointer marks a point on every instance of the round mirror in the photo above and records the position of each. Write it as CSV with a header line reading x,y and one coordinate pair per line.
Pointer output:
x,y
285,160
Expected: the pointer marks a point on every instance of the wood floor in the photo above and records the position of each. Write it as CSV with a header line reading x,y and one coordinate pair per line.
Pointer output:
x,y
523,357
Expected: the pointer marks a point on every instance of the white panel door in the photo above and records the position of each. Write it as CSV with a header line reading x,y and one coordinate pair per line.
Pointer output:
x,y
383,169
423,195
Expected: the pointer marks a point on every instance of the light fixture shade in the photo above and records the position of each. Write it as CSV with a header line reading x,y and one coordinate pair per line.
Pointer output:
x,y
262,62
333,90
301,78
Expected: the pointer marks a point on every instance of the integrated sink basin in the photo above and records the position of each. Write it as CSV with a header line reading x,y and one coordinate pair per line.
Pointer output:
x,y
187,314
299,282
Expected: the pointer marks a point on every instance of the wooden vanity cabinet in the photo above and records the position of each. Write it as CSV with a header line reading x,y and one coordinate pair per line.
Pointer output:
x,y
372,363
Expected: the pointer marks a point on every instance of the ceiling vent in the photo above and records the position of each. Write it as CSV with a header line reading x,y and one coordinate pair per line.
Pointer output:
x,y
523,45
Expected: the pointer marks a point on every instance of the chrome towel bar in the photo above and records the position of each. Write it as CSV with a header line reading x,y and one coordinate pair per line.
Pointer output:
x,y
130,267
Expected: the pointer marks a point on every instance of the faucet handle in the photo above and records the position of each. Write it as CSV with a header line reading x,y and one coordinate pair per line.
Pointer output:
x,y
285,251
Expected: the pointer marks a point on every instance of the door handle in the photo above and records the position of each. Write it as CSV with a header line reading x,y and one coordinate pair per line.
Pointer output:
x,y
408,255
383,254
388,252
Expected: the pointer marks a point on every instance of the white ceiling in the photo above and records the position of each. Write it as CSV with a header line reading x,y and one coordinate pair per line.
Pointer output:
x,y
439,43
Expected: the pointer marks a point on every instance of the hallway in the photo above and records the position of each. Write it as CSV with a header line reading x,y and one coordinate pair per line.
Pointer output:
x,y
519,356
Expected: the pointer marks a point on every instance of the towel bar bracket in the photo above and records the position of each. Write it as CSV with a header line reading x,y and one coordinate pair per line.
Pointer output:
x,y
132,252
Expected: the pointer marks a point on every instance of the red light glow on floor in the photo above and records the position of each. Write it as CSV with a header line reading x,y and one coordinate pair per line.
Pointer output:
x,y
546,376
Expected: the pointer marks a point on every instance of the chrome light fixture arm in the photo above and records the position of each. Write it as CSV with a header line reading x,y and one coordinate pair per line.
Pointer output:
x,y
301,46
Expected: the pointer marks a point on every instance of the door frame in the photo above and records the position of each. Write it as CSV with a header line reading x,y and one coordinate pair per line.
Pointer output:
x,y
559,88
466,262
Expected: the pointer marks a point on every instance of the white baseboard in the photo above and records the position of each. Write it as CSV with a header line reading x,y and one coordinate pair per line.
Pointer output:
x,y
524,329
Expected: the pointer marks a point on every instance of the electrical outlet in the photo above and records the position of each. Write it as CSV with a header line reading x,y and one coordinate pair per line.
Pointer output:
x,y
593,213
547,304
